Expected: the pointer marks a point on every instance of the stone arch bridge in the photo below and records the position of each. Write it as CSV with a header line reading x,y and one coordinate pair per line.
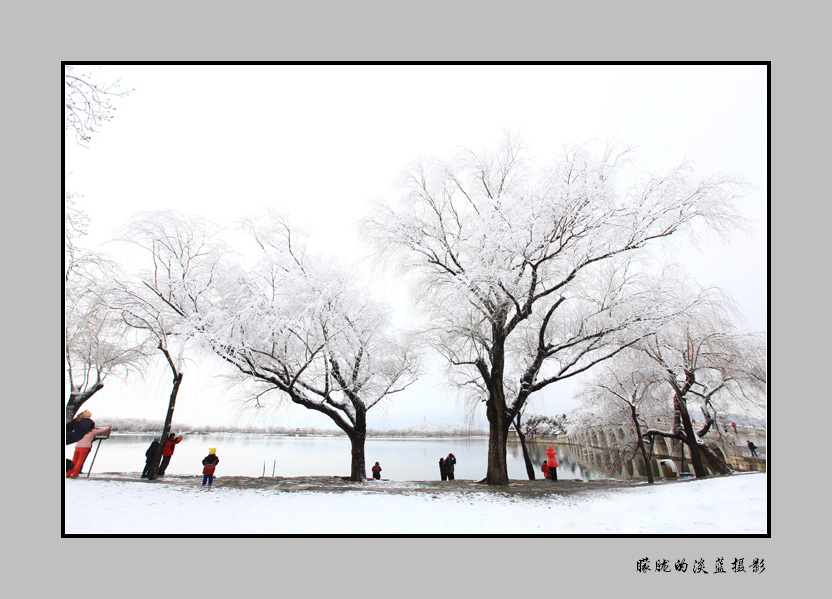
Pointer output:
x,y
613,448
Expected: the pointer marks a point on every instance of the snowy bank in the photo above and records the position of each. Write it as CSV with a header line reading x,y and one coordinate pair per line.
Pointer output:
x,y
725,506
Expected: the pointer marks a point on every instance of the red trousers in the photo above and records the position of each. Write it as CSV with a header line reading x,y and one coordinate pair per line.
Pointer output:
x,y
78,461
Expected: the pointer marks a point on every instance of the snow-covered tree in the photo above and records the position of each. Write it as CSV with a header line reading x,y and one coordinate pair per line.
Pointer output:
x,y
703,359
617,395
296,326
541,424
88,102
696,358
163,300
97,342
529,273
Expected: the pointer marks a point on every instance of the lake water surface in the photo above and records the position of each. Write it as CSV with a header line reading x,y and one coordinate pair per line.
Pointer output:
x,y
243,454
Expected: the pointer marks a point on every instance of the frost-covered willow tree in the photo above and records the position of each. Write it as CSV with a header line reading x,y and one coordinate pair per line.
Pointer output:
x,y
97,342
702,358
623,392
298,327
525,268
180,257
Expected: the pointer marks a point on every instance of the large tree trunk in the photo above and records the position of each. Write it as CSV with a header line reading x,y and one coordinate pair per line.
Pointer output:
x,y
157,459
77,399
497,473
358,467
358,436
498,425
691,439
499,420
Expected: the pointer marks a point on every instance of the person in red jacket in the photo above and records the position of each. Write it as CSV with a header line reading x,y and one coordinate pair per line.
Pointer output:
x,y
545,468
552,463
377,471
167,453
82,449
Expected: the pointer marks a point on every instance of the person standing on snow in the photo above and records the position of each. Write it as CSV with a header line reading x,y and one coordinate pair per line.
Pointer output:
x,y
753,449
552,463
167,453
443,470
377,471
450,461
545,468
209,464
148,456
82,450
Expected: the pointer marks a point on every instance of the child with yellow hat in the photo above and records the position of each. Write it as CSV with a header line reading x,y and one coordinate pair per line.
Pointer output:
x,y
209,464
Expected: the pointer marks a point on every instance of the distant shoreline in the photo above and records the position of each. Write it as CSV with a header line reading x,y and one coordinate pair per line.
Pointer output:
x,y
149,427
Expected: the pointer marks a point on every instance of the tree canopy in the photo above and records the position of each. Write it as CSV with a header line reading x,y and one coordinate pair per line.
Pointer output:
x,y
530,273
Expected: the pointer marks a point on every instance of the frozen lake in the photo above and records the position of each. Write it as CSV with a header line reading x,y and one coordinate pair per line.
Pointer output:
x,y
279,455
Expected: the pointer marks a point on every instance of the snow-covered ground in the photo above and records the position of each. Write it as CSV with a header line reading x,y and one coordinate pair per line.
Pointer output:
x,y
725,506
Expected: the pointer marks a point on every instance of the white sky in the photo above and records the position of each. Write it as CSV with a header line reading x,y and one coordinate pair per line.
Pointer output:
x,y
319,142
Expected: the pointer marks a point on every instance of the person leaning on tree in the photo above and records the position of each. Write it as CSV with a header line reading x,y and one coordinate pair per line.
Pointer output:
x,y
78,427
149,455
167,453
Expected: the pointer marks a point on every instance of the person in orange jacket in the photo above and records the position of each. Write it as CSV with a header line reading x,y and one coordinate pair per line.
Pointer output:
x,y
377,471
545,468
82,450
167,453
552,463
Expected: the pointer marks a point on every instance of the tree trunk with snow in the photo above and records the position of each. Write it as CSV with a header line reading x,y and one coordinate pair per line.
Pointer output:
x,y
77,399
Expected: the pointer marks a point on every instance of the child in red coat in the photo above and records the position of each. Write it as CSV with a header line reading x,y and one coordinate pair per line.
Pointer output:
x,y
209,464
